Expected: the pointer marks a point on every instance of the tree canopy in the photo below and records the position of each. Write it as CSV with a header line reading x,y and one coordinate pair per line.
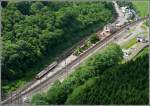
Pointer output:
x,y
35,30
123,84
93,67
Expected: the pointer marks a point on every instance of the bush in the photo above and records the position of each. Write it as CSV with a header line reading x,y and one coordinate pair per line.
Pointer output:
x,y
39,99
94,38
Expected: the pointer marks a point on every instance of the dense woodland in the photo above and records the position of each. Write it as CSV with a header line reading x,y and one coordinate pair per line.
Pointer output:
x,y
129,4
103,79
123,84
93,67
35,31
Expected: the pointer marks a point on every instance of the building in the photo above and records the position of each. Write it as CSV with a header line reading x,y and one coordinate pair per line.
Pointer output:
x,y
119,24
128,13
124,9
108,29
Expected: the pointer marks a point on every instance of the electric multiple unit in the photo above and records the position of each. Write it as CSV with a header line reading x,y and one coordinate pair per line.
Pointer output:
x,y
45,71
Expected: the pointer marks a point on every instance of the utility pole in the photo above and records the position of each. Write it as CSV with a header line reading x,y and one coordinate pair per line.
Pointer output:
x,y
79,61
11,98
16,94
47,80
65,66
40,84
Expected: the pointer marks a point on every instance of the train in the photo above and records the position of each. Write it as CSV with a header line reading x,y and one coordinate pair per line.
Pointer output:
x,y
46,70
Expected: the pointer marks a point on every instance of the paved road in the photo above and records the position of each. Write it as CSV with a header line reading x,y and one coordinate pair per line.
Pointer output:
x,y
121,18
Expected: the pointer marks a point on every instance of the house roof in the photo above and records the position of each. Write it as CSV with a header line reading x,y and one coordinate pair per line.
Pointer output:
x,y
111,26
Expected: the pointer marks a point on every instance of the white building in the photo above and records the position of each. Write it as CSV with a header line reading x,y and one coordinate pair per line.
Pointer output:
x,y
128,13
124,9
108,29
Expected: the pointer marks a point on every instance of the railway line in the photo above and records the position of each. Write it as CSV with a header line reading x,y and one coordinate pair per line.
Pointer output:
x,y
99,45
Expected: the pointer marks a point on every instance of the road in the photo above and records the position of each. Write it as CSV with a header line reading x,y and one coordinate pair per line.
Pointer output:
x,y
121,18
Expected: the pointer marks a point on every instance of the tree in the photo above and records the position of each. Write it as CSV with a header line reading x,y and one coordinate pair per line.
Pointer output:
x,y
94,38
24,7
39,99
122,84
93,67
33,31
36,7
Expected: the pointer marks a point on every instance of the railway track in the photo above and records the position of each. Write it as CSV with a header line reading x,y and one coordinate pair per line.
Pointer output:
x,y
51,79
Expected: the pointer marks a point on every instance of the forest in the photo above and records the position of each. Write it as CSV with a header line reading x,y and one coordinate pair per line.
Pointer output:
x,y
34,33
102,80
94,66
123,84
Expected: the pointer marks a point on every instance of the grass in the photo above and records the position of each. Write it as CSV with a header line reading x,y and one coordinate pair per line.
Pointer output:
x,y
145,34
141,7
144,27
129,43
142,52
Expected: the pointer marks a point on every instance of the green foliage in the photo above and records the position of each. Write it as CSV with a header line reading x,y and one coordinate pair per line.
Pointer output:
x,y
94,38
147,23
35,31
82,48
4,3
41,99
94,66
130,43
125,3
78,51
24,7
123,84
141,7
142,52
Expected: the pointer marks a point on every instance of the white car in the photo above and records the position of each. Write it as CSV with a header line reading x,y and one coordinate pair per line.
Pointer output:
x,y
25,100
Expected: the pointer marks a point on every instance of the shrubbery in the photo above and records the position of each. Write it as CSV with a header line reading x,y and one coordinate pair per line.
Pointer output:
x,y
94,38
